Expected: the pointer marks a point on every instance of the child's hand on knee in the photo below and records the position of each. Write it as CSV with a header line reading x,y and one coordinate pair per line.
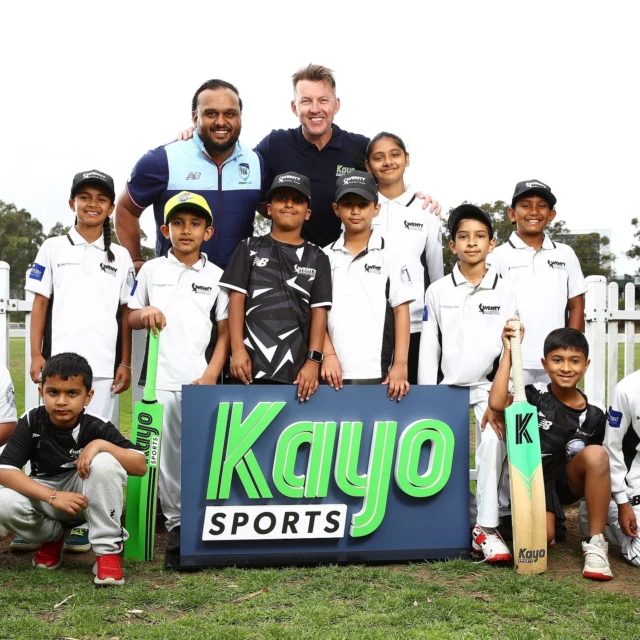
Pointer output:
x,y
69,502
627,520
83,463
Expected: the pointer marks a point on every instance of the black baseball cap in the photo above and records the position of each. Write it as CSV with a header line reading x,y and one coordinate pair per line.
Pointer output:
x,y
93,177
533,187
466,212
358,182
291,180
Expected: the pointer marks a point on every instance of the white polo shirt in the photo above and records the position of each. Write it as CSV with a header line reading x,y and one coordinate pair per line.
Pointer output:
x,y
544,282
462,326
189,297
87,290
365,289
8,411
416,235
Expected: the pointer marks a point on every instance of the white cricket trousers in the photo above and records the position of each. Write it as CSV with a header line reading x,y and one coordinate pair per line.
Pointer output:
x,y
492,490
103,401
170,452
531,376
39,522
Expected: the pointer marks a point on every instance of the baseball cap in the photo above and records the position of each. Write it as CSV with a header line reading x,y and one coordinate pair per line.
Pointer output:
x,y
358,182
93,177
291,180
465,212
187,200
533,187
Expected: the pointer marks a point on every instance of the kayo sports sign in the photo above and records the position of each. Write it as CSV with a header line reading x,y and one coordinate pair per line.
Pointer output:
x,y
266,478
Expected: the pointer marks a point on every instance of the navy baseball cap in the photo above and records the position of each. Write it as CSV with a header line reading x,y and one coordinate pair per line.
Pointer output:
x,y
533,187
291,180
466,212
358,182
93,177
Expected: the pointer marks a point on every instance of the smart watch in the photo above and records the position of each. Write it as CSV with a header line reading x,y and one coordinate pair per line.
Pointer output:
x,y
315,356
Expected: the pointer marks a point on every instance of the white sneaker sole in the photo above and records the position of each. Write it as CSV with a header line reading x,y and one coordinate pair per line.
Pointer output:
x,y
44,566
107,581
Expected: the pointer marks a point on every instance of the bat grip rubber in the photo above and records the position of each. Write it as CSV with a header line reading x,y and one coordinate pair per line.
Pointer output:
x,y
149,394
517,370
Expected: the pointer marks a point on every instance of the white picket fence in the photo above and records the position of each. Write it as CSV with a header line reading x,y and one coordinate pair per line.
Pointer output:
x,y
601,316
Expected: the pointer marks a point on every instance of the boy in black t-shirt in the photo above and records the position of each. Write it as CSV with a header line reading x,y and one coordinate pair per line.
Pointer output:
x,y
280,290
79,464
574,462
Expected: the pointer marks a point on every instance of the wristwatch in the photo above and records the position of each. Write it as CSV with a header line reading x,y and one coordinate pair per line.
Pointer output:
x,y
315,356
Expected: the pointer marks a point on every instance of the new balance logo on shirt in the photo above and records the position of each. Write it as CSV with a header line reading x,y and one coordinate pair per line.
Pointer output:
x,y
260,262
193,175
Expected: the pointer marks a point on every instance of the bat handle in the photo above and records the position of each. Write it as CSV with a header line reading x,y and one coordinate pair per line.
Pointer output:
x,y
517,370
149,394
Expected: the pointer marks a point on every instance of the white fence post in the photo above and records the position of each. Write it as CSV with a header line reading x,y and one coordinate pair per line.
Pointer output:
x,y
595,313
629,329
4,313
612,340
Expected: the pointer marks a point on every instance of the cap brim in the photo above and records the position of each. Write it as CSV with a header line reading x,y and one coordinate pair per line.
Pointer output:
x,y
367,195
102,183
548,196
187,206
286,186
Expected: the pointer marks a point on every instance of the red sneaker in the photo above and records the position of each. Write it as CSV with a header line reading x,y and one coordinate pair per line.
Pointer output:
x,y
49,554
108,569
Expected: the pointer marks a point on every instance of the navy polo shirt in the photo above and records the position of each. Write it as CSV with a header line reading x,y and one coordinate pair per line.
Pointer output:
x,y
288,150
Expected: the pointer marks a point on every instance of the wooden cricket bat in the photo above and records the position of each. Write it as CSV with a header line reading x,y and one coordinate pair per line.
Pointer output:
x,y
142,493
528,505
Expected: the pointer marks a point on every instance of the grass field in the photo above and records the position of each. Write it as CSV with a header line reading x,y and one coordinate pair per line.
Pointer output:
x,y
456,599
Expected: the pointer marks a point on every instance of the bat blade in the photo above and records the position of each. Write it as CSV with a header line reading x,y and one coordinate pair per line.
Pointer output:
x,y
528,508
142,492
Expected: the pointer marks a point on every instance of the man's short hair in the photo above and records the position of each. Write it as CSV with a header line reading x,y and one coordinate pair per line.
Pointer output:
x,y
314,73
68,365
214,85
566,338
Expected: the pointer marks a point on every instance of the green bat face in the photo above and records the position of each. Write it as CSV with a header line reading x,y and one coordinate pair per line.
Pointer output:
x,y
523,440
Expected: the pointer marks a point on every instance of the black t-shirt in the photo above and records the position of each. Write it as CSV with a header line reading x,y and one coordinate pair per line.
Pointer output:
x,y
564,431
52,450
288,150
282,283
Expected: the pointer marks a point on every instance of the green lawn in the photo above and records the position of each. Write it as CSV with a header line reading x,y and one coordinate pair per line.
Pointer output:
x,y
456,599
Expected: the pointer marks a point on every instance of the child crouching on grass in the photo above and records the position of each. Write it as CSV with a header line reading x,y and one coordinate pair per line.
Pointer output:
x,y
79,464
574,462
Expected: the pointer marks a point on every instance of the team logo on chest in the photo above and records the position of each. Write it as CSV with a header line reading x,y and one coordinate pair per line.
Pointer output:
x,y
489,310
554,264
196,288
304,271
108,269
373,268
413,226
244,170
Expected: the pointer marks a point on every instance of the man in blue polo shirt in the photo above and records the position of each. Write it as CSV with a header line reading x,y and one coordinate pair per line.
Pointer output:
x,y
212,164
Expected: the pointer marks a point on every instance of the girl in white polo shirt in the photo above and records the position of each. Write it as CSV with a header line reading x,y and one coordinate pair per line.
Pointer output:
x,y
406,227
81,281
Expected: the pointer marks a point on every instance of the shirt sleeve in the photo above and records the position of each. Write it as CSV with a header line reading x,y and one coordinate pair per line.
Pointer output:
x,y
619,419
7,397
128,281
533,395
106,431
575,285
139,297
40,278
433,249
321,293
149,178
401,288
264,153
236,275
18,450
430,347
222,305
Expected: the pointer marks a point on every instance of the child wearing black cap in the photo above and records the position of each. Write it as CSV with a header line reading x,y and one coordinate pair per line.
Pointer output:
x,y
81,281
464,314
280,290
545,274
369,324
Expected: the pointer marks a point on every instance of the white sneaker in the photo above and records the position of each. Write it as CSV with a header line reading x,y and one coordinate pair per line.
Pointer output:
x,y
596,559
490,543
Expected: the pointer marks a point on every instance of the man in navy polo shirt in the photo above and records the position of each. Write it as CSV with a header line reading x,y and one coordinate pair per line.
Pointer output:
x,y
212,164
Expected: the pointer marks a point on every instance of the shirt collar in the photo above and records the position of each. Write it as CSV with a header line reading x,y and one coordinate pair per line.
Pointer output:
x,y
76,239
517,243
376,241
335,142
404,200
489,281
198,266
237,151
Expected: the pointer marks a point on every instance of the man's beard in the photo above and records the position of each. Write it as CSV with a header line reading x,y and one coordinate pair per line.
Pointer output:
x,y
219,147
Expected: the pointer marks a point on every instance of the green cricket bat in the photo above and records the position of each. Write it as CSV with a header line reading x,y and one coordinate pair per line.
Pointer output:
x,y
528,506
142,492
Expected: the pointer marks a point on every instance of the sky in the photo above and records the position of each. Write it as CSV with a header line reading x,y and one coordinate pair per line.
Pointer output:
x,y
485,94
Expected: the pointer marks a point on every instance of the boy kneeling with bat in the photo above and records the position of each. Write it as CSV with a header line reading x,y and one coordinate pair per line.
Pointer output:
x,y
574,463
79,464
